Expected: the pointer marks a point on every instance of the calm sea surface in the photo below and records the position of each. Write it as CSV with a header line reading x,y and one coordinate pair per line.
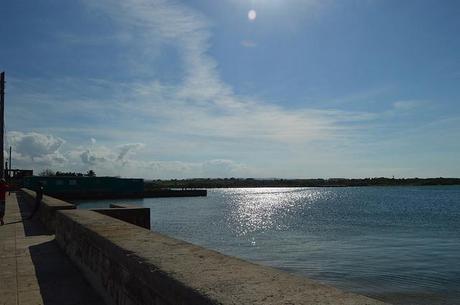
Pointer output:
x,y
397,244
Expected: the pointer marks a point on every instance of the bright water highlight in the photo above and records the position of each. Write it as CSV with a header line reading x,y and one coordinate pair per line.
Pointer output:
x,y
397,244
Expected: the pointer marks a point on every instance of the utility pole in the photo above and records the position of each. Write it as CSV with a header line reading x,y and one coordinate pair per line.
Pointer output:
x,y
9,163
2,122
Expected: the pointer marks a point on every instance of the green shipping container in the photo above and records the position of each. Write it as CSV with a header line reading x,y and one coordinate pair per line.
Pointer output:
x,y
87,187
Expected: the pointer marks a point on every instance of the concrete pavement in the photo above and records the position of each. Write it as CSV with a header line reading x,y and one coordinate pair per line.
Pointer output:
x,y
33,270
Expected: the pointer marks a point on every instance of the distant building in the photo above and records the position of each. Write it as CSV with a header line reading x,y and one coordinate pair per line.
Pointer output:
x,y
74,187
18,173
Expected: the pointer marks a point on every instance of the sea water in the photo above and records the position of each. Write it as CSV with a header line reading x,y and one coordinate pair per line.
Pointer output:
x,y
397,244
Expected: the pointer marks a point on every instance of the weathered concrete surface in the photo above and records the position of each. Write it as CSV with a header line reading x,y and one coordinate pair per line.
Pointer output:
x,y
48,207
33,270
131,265
134,214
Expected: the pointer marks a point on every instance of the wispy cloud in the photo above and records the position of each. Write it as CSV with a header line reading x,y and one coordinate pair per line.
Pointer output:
x,y
202,103
199,112
194,126
408,104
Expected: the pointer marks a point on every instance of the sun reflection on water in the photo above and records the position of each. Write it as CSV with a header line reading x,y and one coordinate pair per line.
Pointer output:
x,y
267,208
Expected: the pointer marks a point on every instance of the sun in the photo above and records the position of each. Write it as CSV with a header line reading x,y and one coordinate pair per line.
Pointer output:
x,y
252,15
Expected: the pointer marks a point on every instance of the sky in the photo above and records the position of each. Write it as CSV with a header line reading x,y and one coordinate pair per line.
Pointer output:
x,y
165,89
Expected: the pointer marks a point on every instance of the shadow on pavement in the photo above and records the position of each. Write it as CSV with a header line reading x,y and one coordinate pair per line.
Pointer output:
x,y
32,227
60,282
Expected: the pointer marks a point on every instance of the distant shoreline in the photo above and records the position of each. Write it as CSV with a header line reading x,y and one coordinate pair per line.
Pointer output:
x,y
335,182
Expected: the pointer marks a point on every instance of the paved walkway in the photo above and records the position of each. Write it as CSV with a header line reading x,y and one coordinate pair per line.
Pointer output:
x,y
33,270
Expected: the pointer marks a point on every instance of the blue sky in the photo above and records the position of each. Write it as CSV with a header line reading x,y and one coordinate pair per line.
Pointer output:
x,y
175,89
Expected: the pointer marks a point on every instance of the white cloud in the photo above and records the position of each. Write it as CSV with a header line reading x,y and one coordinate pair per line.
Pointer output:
x,y
91,158
36,148
34,144
39,151
125,149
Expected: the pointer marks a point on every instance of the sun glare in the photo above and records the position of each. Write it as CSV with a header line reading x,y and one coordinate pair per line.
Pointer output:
x,y
252,15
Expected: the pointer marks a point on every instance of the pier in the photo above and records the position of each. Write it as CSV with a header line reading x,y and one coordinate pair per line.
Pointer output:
x,y
69,256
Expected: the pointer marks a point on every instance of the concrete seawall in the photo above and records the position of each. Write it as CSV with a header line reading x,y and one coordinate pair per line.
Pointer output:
x,y
132,214
48,207
131,265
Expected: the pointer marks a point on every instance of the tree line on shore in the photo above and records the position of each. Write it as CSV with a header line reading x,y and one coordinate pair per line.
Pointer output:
x,y
333,182
273,182
50,173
